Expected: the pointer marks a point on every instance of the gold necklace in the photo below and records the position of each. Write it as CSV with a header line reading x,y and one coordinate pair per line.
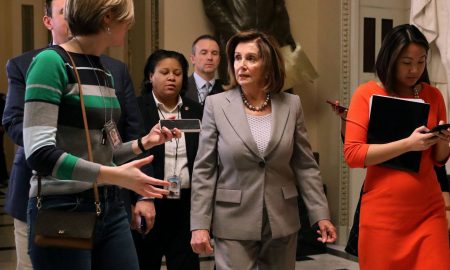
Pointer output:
x,y
256,108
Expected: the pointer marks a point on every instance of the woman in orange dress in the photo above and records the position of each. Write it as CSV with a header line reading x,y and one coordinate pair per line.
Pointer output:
x,y
402,223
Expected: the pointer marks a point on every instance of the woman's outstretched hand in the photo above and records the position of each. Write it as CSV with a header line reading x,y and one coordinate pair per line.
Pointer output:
x,y
130,176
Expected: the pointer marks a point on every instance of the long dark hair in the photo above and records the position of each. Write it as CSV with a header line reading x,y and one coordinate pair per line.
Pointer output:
x,y
395,41
154,59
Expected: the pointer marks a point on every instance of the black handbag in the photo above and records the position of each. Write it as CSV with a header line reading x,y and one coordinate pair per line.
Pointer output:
x,y
66,229
352,242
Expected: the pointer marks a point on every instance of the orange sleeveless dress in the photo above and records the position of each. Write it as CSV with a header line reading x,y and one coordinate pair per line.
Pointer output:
x,y
402,223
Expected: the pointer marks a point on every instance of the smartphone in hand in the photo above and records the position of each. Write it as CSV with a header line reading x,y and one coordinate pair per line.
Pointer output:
x,y
336,107
438,128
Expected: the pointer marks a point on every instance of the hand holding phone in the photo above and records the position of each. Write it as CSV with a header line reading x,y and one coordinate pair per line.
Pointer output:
x,y
336,107
439,128
339,109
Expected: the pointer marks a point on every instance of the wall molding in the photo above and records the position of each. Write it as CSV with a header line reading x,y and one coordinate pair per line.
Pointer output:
x,y
154,27
345,94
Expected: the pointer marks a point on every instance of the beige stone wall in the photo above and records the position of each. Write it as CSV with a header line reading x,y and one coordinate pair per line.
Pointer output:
x,y
5,52
11,45
5,43
328,87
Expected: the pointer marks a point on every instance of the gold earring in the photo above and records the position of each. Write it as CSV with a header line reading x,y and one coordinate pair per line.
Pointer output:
x,y
108,30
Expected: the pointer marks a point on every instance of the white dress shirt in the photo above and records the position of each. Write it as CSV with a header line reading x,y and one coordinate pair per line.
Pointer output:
x,y
171,148
200,84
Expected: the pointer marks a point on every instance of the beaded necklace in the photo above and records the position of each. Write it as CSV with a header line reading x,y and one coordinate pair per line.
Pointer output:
x,y
256,108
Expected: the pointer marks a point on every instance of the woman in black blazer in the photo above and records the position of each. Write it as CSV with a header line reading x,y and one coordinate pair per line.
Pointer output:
x,y
166,230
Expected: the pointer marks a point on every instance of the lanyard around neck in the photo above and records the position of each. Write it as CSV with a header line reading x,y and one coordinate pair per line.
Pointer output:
x,y
176,140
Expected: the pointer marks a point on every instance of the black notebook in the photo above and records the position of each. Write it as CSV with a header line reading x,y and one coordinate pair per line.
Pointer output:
x,y
392,119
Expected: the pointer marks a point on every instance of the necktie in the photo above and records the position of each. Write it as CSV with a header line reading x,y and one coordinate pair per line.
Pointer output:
x,y
203,92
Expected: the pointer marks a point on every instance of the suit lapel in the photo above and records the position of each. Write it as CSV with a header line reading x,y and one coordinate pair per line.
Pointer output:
x,y
280,115
191,138
150,117
186,113
217,88
191,93
235,113
151,114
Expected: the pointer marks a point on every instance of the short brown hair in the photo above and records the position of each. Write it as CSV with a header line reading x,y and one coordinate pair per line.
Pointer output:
x,y
273,64
85,17
203,37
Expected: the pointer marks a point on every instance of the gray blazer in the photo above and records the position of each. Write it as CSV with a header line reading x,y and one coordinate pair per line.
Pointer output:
x,y
232,182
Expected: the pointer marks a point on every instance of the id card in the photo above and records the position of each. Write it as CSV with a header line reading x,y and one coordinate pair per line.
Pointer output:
x,y
174,187
113,134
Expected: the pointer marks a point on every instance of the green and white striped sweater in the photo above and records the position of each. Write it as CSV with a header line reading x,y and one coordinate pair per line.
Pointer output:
x,y
54,136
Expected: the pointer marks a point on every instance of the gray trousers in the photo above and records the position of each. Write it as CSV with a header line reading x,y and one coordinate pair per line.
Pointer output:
x,y
266,254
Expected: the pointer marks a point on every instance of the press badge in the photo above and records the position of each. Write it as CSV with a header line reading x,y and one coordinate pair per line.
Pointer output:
x,y
112,134
174,187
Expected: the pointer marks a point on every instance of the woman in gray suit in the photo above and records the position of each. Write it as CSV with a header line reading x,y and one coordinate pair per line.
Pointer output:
x,y
253,159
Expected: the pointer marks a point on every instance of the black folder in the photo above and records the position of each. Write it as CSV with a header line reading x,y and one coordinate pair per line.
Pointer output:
x,y
392,119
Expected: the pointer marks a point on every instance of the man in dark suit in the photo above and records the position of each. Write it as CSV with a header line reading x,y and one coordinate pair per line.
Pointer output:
x,y
129,125
205,58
